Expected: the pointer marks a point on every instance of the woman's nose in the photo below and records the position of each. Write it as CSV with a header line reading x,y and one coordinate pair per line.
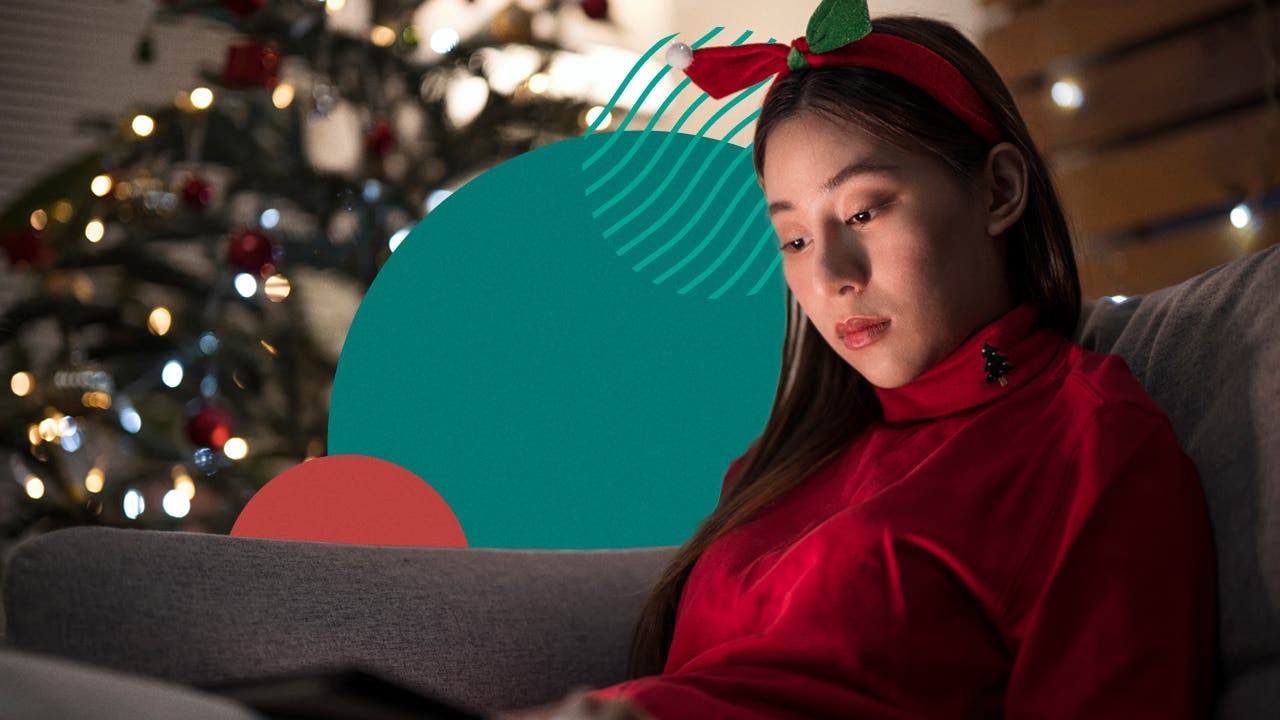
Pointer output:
x,y
842,261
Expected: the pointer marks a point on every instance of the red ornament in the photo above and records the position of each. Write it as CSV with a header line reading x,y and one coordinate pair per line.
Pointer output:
x,y
26,248
209,427
253,252
254,62
380,139
244,8
596,9
196,193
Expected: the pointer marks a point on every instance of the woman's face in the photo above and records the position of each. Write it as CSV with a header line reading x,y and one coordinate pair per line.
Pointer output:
x,y
907,244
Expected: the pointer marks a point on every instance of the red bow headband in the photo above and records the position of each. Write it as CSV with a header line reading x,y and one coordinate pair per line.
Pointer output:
x,y
839,33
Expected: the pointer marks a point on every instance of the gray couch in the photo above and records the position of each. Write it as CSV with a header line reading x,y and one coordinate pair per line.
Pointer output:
x,y
496,629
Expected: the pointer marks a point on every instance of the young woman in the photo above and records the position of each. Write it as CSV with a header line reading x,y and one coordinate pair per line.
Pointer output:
x,y
953,511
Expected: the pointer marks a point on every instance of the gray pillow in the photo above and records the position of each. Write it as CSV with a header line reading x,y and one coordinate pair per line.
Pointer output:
x,y
1208,352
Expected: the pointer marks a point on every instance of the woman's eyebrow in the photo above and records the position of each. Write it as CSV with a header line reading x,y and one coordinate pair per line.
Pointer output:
x,y
863,166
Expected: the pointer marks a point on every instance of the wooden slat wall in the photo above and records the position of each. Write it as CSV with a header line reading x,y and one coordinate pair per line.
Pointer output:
x,y
1180,121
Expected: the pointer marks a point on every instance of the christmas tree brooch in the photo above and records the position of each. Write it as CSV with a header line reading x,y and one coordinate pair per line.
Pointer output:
x,y
996,366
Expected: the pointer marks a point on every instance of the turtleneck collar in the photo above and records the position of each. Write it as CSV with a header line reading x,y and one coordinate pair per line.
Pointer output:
x,y
992,362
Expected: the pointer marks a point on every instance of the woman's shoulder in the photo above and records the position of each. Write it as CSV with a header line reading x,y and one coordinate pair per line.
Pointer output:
x,y
1104,383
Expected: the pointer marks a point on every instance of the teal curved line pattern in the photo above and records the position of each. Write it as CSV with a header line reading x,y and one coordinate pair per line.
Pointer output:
x,y
777,260
709,235
743,160
618,93
684,196
742,269
679,164
662,149
635,146
724,255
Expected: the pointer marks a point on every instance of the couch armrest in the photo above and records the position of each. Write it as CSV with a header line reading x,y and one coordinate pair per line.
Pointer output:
x,y
490,628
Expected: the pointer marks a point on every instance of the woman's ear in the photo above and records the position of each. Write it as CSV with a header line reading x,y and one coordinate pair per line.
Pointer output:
x,y
1006,187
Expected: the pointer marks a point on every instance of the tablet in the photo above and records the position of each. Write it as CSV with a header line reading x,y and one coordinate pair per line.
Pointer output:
x,y
346,693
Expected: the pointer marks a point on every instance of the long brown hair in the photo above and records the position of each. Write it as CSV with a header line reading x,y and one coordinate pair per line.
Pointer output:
x,y
822,404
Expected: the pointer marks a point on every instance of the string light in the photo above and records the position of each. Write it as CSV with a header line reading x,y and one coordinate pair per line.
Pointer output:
x,y
282,96
21,384
1067,94
236,448
48,429
62,211
201,98
159,321
134,504
35,487
539,83
101,185
176,503
94,230
590,117
397,238
444,40
246,285
172,373
142,125
277,288
1241,216
93,480
382,36
39,219
334,6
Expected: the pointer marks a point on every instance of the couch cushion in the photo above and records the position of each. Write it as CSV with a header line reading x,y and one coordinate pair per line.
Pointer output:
x,y
35,686
1208,352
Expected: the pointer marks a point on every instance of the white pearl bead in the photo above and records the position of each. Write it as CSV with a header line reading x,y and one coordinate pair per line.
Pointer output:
x,y
679,56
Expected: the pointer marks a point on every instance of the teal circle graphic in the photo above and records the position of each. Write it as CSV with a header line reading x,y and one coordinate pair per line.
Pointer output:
x,y
571,357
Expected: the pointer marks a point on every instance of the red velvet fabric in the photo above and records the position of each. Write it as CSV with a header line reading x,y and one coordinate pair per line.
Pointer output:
x,y
1040,549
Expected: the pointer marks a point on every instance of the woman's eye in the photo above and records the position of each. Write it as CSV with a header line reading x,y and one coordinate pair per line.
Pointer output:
x,y
865,213
791,245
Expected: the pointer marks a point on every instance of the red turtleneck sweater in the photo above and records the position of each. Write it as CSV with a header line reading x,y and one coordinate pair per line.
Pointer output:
x,y
1038,549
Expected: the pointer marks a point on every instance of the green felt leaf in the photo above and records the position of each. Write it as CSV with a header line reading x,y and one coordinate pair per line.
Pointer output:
x,y
836,23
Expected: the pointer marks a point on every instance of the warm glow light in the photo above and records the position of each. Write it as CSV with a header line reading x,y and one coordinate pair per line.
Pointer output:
x,y
334,6
143,125
539,83
48,429
33,434
465,99
39,219
236,448
444,40
94,231
282,95
62,211
93,481
176,503
21,384
594,113
201,97
35,487
186,486
382,36
160,321
101,185
277,288
96,399
1240,216
1067,94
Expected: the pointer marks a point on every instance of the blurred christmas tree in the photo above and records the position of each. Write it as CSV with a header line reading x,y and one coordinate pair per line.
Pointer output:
x,y
182,265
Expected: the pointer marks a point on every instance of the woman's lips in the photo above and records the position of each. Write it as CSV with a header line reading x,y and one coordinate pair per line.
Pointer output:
x,y
865,335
